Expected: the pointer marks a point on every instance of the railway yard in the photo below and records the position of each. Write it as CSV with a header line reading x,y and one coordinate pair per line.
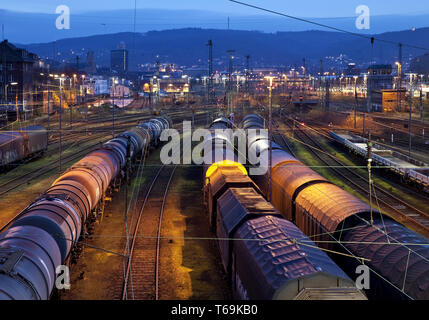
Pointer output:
x,y
214,159
132,228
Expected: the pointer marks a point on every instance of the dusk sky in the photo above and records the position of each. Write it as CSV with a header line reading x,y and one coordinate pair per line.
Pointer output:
x,y
306,8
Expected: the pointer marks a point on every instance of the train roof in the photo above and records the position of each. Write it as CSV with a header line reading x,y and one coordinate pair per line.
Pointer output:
x,y
35,127
221,123
238,204
293,175
398,262
8,136
288,268
330,205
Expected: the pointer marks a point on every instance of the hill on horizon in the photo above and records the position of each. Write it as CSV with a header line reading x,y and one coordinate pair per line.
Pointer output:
x,y
188,47
27,27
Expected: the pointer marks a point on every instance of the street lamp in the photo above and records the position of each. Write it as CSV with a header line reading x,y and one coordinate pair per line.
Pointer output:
x,y
356,97
7,102
60,121
270,136
5,89
399,97
411,108
113,107
399,68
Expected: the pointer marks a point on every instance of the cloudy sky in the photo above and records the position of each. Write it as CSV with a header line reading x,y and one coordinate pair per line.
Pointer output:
x,y
305,8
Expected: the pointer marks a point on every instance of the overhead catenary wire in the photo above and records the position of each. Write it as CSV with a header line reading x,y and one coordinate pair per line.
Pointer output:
x,y
327,26
390,239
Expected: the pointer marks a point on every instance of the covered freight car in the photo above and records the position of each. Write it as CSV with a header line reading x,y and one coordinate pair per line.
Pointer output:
x,y
268,257
259,248
220,177
397,257
12,148
36,140
26,143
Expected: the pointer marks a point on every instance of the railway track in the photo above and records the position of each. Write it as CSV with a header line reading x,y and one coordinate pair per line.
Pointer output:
x,y
70,139
401,137
142,268
387,202
28,176
280,139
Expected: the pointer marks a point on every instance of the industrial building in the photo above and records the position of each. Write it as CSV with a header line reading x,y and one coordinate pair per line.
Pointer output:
x,y
379,78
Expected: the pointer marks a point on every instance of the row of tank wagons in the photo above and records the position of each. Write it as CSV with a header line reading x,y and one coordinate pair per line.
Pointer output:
x,y
398,258
15,146
264,255
44,234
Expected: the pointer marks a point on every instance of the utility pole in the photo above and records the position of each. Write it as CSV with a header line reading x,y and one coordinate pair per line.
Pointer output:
x,y
270,138
304,70
320,82
48,112
327,95
421,106
369,82
71,108
231,57
247,74
60,125
4,71
210,86
356,99
400,77
411,111
369,150
113,110
86,113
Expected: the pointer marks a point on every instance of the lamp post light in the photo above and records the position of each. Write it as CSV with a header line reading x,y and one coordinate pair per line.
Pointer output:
x,y
60,123
6,87
113,107
229,88
270,136
411,111
399,97
356,97
7,102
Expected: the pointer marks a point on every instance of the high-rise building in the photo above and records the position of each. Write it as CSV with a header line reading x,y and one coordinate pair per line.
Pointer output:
x,y
91,66
119,61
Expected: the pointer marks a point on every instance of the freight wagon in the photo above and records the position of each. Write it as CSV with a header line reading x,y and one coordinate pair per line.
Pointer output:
x,y
43,236
15,146
264,255
397,257
409,169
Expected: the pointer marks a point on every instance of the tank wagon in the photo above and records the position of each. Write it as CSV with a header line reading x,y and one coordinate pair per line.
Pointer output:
x,y
44,234
396,256
217,144
26,143
264,255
